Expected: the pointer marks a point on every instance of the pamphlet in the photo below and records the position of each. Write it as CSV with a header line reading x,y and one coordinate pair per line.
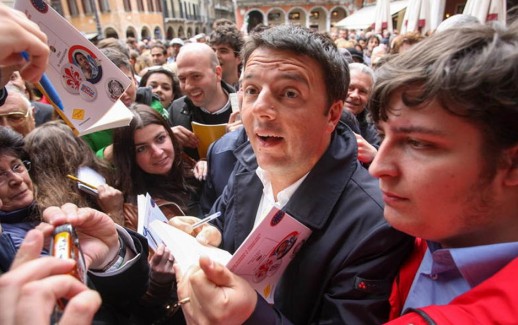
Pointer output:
x,y
207,133
148,211
261,259
87,82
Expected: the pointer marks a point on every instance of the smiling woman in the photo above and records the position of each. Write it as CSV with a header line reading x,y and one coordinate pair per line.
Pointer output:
x,y
148,159
18,213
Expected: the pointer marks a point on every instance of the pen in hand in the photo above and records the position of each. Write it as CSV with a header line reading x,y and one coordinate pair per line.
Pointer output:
x,y
93,187
206,219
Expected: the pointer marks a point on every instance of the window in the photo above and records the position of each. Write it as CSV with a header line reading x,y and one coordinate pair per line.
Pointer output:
x,y
104,6
87,7
158,5
140,5
127,5
150,5
294,16
72,8
56,4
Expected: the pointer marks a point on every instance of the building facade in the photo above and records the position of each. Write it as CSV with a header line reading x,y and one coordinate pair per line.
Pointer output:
x,y
160,19
316,14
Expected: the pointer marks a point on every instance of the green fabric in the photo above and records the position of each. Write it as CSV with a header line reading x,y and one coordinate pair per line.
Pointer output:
x,y
98,141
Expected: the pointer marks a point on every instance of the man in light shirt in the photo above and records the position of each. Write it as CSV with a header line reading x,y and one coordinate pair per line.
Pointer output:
x,y
302,159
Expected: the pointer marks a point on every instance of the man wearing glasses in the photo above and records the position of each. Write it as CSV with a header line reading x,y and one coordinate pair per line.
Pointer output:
x,y
16,111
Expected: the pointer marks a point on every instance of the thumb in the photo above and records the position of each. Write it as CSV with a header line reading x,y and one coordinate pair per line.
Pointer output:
x,y
216,272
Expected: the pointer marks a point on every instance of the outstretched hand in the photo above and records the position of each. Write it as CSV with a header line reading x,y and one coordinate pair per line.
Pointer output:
x,y
96,231
29,291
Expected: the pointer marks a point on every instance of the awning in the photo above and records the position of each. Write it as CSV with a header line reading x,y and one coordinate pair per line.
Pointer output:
x,y
364,17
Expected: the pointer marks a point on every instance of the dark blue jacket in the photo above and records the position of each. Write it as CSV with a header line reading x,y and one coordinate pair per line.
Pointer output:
x,y
220,163
343,273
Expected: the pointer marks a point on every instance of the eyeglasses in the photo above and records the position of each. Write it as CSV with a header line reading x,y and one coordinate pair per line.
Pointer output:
x,y
18,168
15,118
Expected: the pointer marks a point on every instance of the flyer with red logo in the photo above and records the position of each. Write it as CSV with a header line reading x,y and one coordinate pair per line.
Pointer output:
x,y
88,84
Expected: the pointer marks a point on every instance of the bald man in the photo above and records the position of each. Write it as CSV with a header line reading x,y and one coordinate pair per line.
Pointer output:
x,y
206,97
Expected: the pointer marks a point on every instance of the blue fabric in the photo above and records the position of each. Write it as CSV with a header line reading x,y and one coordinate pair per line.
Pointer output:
x,y
15,226
447,273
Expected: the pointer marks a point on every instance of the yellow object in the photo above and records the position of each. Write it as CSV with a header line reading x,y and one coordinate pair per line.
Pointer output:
x,y
207,134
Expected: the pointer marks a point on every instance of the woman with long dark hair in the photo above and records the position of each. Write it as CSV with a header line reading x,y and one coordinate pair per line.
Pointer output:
x,y
148,159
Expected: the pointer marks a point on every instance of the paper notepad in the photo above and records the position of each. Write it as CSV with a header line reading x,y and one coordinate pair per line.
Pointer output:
x,y
207,133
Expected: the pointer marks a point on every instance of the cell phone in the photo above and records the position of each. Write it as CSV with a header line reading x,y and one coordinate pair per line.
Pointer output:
x,y
65,244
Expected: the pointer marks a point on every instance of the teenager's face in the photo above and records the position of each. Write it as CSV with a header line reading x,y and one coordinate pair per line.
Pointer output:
x,y
154,149
434,177
228,59
162,86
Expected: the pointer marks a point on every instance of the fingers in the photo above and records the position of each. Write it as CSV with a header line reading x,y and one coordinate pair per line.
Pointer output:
x,y
200,170
81,309
36,269
209,235
20,34
40,297
183,223
215,272
186,137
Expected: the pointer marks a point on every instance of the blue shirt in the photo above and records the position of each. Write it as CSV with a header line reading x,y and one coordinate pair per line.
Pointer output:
x,y
447,273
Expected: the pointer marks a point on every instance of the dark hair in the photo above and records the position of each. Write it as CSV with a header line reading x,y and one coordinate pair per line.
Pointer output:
x,y
222,22
470,70
172,76
160,46
228,35
303,41
12,143
131,179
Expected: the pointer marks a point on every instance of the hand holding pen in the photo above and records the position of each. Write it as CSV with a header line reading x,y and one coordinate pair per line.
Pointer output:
x,y
204,232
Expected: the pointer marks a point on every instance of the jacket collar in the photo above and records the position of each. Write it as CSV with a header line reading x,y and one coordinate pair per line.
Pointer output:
x,y
333,171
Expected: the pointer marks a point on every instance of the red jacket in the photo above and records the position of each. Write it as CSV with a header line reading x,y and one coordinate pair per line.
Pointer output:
x,y
494,301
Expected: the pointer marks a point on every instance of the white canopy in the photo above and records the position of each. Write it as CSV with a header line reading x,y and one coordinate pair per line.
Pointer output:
x,y
364,17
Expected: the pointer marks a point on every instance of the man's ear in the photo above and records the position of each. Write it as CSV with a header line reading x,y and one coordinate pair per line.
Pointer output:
x,y
334,114
219,72
511,164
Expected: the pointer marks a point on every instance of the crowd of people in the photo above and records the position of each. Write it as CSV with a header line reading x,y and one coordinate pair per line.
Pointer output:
x,y
400,154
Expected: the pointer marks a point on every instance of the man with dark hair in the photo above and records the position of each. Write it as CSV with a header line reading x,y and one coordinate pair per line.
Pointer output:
x,y
448,168
300,159
158,54
227,41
